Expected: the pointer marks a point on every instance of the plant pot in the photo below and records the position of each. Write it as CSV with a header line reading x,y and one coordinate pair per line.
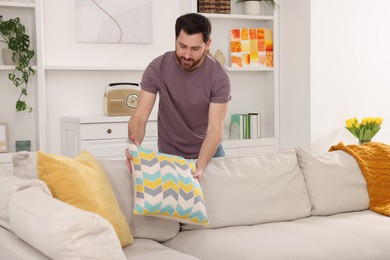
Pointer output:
x,y
23,145
7,57
252,7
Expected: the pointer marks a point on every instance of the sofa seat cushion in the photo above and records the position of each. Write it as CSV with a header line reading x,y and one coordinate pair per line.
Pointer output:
x,y
355,235
146,249
334,181
254,189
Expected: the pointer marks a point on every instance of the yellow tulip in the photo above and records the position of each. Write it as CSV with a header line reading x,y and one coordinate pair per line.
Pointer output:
x,y
348,123
364,121
378,120
357,125
369,119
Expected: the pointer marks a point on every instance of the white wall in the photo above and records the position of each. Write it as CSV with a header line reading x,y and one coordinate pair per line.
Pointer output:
x,y
350,57
294,42
333,65
80,92
348,70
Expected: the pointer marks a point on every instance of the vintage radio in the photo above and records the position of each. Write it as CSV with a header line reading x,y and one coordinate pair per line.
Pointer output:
x,y
121,99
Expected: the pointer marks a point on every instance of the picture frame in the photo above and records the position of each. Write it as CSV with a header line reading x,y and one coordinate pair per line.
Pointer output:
x,y
3,138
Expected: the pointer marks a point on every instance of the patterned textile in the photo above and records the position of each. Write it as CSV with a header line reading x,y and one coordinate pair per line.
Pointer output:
x,y
164,187
374,161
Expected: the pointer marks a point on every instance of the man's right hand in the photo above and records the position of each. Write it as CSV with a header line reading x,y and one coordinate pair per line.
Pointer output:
x,y
129,158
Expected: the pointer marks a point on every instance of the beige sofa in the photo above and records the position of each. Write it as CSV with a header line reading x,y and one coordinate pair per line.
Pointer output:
x,y
286,205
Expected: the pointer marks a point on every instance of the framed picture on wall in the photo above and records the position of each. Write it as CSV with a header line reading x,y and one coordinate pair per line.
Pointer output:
x,y
3,138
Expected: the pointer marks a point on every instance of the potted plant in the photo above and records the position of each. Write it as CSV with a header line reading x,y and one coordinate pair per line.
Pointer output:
x,y
13,33
252,7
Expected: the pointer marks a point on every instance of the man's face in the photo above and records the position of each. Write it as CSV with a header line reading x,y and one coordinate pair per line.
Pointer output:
x,y
190,50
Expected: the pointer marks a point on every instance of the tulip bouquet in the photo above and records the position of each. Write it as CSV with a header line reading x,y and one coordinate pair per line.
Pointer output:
x,y
365,130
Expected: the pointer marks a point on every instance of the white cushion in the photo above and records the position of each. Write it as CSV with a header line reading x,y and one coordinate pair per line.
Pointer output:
x,y
254,189
60,230
9,184
334,181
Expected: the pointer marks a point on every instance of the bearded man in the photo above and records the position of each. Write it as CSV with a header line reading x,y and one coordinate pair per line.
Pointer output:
x,y
194,91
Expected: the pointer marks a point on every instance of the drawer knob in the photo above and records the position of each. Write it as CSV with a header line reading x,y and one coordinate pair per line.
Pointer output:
x,y
109,130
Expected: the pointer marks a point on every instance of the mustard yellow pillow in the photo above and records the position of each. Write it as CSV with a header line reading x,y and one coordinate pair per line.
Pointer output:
x,y
81,182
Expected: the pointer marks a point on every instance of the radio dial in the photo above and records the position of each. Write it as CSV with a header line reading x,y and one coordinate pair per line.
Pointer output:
x,y
132,101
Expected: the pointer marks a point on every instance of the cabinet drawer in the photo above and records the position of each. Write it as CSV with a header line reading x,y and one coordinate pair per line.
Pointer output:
x,y
112,131
114,149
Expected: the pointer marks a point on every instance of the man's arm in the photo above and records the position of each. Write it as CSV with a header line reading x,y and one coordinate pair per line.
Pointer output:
x,y
217,114
137,123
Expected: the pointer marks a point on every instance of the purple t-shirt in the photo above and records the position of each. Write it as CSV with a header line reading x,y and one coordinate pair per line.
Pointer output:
x,y
184,101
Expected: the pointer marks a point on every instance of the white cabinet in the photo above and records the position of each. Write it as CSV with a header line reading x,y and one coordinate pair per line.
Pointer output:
x,y
23,125
253,89
102,136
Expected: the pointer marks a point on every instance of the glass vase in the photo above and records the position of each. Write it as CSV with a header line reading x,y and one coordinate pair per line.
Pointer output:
x,y
364,141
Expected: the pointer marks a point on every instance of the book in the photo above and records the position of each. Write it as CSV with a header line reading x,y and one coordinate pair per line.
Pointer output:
x,y
254,125
237,126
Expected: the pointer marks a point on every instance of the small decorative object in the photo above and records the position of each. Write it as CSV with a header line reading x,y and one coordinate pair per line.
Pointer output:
x,y
3,138
252,7
365,130
219,57
23,145
13,33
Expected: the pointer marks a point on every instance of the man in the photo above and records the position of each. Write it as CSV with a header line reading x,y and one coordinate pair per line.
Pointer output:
x,y
194,91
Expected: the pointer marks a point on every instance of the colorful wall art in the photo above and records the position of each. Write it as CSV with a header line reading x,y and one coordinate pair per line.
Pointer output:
x,y
114,21
251,47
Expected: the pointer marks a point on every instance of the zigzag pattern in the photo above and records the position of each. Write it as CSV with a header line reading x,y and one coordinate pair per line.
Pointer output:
x,y
164,187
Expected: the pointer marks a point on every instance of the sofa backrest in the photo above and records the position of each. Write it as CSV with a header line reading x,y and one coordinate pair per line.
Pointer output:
x,y
253,190
334,181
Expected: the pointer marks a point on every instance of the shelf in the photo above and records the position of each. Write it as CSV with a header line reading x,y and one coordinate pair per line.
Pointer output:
x,y
229,143
126,68
100,119
239,16
17,4
93,68
249,69
10,67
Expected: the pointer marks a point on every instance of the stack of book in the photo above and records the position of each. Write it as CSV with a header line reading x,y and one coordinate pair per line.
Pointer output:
x,y
214,6
245,126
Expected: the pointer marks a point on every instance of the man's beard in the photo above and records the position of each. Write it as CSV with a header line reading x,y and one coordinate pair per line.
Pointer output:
x,y
188,64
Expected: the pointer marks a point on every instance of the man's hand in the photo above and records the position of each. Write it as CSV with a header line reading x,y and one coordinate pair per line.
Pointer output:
x,y
197,174
129,158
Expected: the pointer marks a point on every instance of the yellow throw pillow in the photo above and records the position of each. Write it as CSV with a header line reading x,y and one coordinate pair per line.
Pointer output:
x,y
81,182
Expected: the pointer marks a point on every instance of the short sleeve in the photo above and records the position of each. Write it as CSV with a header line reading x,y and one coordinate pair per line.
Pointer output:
x,y
148,82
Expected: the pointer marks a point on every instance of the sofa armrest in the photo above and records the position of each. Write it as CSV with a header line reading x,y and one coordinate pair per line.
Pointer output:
x,y
60,230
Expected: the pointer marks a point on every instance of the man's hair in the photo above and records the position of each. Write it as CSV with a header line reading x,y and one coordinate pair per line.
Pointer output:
x,y
193,23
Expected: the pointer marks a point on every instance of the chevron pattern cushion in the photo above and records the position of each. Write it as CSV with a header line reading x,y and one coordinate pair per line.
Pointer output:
x,y
164,187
